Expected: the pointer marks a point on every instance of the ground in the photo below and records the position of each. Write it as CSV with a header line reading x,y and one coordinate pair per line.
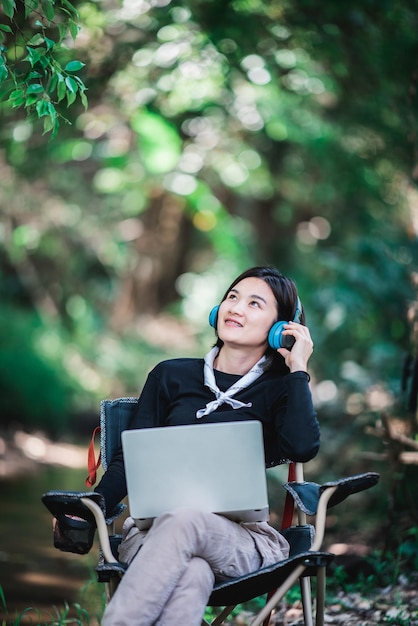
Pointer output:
x,y
397,606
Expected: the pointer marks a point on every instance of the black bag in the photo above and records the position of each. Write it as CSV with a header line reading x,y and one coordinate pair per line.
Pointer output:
x,y
74,524
73,534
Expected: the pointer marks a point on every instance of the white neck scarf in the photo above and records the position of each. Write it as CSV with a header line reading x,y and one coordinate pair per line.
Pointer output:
x,y
226,396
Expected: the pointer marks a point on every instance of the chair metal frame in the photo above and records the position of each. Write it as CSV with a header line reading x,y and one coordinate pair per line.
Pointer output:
x,y
306,559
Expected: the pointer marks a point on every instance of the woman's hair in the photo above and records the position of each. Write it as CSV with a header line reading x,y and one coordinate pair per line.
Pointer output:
x,y
284,291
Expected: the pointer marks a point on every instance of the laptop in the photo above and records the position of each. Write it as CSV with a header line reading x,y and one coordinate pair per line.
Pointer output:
x,y
218,468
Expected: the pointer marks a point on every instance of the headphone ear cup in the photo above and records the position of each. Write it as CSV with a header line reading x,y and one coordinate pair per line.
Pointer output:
x,y
277,340
213,316
275,335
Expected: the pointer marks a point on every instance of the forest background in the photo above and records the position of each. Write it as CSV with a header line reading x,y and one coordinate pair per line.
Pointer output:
x,y
151,150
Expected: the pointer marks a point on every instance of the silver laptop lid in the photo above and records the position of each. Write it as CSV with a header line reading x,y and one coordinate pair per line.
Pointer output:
x,y
217,468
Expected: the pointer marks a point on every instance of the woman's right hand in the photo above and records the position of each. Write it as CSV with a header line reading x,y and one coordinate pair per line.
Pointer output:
x,y
297,358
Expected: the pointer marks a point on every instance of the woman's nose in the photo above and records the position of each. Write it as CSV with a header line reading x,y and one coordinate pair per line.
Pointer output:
x,y
235,308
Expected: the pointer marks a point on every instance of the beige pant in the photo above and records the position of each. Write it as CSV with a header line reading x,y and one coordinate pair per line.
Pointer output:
x,y
171,576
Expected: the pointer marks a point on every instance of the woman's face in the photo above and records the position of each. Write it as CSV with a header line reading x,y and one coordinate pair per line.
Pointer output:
x,y
247,314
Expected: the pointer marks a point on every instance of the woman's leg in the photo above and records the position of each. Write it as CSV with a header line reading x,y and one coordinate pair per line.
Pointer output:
x,y
187,603
174,539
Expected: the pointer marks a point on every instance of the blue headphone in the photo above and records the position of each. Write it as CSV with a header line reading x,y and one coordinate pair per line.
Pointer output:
x,y
275,337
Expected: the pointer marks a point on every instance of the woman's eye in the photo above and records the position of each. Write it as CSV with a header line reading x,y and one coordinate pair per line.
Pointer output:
x,y
232,296
255,303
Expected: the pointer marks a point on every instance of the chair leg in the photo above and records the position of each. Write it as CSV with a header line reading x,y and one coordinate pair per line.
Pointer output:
x,y
320,596
278,595
305,588
222,616
110,588
218,621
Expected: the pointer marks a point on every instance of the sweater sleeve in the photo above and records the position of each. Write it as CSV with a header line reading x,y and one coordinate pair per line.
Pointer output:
x,y
298,429
113,483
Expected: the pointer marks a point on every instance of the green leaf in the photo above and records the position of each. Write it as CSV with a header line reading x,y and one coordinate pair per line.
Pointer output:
x,y
33,55
17,94
48,9
74,28
71,8
84,100
74,66
52,85
48,125
36,40
45,61
62,30
17,102
82,86
70,98
3,72
30,7
71,84
49,43
61,90
5,28
55,131
42,108
31,99
9,7
34,88
52,111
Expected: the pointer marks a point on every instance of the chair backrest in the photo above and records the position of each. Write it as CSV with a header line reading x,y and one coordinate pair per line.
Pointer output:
x,y
115,416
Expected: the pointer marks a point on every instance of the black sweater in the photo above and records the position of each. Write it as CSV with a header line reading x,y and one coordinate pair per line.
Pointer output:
x,y
175,390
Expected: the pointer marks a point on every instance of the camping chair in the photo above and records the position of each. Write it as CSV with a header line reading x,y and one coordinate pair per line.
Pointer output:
x,y
306,560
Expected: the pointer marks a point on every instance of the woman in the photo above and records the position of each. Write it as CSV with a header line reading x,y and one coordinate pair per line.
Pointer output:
x,y
171,576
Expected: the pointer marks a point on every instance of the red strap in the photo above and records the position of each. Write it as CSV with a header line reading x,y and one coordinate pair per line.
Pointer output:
x,y
92,464
287,520
289,505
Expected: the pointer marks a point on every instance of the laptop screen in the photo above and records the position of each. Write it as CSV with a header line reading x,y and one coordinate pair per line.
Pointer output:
x,y
217,467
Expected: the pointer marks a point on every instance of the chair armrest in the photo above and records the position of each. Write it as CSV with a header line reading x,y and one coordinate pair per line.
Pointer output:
x,y
308,494
84,510
69,503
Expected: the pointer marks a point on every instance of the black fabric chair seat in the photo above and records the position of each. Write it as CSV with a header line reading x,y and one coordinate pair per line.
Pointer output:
x,y
245,588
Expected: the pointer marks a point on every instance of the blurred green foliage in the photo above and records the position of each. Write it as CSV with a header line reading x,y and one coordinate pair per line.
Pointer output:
x,y
33,388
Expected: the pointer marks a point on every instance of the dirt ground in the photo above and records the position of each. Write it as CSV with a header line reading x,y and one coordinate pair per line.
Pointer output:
x,y
397,606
